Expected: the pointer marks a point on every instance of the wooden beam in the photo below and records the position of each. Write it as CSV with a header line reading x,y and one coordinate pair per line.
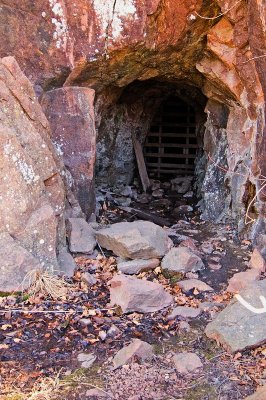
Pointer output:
x,y
141,163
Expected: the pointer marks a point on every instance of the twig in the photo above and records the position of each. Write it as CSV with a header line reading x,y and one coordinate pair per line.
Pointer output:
x,y
18,310
219,15
101,250
254,58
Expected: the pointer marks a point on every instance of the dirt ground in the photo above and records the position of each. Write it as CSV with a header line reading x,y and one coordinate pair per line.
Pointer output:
x,y
40,338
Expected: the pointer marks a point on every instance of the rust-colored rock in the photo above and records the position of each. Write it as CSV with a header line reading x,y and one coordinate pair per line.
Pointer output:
x,y
31,211
70,112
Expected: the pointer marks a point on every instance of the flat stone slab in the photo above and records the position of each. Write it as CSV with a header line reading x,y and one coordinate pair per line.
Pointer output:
x,y
136,266
189,284
238,328
143,350
81,237
184,312
182,259
133,294
138,239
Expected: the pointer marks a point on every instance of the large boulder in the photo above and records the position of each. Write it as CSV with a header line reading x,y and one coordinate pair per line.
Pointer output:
x,y
237,327
138,239
133,294
31,189
182,259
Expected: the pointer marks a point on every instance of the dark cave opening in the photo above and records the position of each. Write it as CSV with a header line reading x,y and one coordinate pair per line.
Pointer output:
x,y
168,120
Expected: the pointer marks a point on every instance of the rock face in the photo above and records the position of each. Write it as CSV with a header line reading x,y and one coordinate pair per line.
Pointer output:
x,y
182,259
133,294
70,112
138,239
31,190
237,327
137,348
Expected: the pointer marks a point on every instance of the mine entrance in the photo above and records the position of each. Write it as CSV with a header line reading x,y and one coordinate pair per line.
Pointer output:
x,y
171,144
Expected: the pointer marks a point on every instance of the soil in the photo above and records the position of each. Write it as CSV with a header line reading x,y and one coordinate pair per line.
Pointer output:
x,y
35,345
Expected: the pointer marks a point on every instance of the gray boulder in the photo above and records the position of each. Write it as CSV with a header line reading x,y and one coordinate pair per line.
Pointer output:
x,y
238,328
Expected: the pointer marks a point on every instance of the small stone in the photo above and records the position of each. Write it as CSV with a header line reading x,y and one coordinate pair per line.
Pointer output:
x,y
182,259
207,247
187,362
136,266
192,275
158,194
183,209
188,195
257,261
133,294
184,326
214,266
102,335
127,191
88,278
241,279
86,359
144,198
85,322
113,331
155,185
184,312
189,284
144,351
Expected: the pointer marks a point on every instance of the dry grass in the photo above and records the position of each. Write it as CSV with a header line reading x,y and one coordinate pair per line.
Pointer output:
x,y
46,389
43,282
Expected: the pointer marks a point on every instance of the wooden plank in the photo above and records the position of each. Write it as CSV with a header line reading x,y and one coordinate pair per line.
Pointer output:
x,y
173,134
165,165
141,163
167,155
166,145
146,215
